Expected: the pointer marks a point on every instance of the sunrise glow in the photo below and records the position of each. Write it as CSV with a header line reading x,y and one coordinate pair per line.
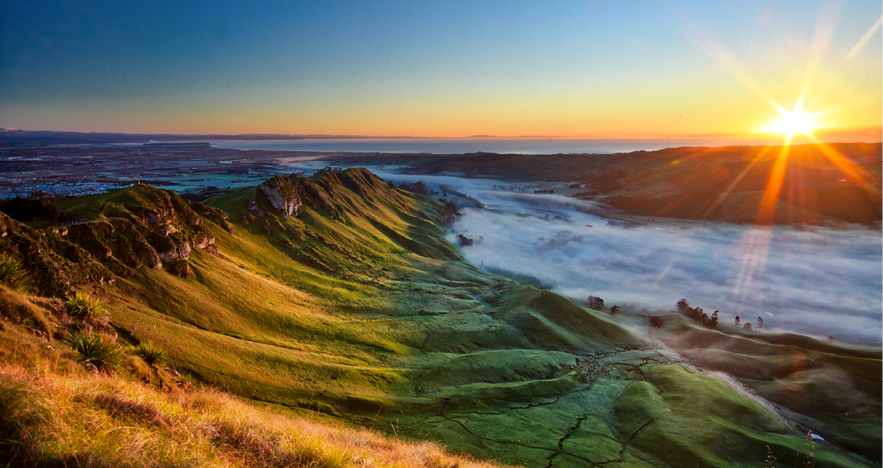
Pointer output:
x,y
793,122
578,70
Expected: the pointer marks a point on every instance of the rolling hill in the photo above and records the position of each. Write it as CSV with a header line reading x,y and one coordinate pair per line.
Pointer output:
x,y
338,297
839,182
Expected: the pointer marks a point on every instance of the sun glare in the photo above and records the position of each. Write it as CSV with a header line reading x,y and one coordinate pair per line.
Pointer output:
x,y
793,122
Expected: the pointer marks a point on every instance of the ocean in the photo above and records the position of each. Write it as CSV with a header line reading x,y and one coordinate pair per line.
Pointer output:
x,y
470,145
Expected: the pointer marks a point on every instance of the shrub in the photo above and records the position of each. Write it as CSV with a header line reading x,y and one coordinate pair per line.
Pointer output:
x,y
97,349
14,275
82,306
151,353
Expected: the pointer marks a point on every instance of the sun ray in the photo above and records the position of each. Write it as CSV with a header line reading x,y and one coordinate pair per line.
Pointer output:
x,y
754,246
738,179
753,251
849,168
766,211
864,40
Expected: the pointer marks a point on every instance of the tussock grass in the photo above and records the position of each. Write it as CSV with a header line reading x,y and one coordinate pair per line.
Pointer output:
x,y
14,276
32,312
97,349
150,353
83,306
104,420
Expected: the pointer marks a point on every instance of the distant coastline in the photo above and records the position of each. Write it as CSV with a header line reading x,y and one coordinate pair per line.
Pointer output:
x,y
397,144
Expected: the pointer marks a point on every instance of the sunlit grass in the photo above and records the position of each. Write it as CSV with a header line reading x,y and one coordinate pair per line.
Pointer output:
x,y
13,275
97,349
83,306
107,421
150,353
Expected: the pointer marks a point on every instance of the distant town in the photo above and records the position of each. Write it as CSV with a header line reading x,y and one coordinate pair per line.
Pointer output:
x,y
76,170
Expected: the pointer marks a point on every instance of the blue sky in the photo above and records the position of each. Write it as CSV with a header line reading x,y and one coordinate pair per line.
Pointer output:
x,y
434,68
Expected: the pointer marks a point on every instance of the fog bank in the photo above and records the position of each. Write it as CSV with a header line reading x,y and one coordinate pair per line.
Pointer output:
x,y
822,282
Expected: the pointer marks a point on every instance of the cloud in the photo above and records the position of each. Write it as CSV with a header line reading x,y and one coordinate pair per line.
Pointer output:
x,y
823,282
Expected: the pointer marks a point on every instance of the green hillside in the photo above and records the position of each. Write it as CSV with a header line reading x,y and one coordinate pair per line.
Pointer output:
x,y
338,297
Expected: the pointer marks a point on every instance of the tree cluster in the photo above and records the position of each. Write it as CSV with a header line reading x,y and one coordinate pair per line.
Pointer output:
x,y
596,303
697,314
418,187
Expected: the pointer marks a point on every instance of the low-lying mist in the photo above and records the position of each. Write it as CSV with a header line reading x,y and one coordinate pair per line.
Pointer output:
x,y
823,282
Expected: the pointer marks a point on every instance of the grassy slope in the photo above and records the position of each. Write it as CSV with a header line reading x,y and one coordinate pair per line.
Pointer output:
x,y
374,319
54,413
829,388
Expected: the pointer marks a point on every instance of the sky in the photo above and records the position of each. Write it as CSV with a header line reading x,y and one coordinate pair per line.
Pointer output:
x,y
588,69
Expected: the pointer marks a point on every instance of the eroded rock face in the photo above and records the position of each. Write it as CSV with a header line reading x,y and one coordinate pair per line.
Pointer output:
x,y
162,224
215,214
150,228
180,252
282,195
55,263
115,237
254,209
204,242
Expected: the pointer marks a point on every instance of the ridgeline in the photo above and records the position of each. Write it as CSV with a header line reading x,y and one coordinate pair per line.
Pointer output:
x,y
337,298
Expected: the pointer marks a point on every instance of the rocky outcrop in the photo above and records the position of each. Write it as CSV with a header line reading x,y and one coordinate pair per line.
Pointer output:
x,y
254,209
140,226
55,263
118,238
180,252
282,195
215,214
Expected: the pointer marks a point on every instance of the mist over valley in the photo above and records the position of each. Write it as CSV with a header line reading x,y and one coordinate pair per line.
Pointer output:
x,y
815,280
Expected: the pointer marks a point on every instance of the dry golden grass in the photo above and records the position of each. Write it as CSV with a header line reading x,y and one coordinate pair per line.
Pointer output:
x,y
105,420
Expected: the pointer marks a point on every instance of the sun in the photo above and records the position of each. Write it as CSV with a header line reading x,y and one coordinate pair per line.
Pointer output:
x,y
793,122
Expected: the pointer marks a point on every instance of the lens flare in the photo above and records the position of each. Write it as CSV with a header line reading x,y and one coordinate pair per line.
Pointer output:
x,y
792,122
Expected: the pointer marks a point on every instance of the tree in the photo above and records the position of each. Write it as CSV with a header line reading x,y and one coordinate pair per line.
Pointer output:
x,y
759,323
737,321
614,310
747,326
683,306
712,323
703,317
596,303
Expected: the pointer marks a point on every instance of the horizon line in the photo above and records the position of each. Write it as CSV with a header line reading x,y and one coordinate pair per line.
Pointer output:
x,y
870,133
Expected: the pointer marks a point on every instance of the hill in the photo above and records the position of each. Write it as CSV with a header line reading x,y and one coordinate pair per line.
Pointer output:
x,y
813,183
338,296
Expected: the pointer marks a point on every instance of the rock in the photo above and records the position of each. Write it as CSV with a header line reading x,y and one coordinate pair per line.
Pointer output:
x,y
180,252
162,224
215,214
254,209
282,195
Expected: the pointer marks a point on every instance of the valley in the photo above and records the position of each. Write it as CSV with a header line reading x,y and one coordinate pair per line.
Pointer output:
x,y
338,297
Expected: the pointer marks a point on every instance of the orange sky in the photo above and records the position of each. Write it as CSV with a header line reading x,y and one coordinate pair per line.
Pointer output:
x,y
587,70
